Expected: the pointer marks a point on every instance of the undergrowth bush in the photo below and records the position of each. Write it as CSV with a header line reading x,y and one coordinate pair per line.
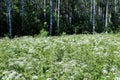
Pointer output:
x,y
76,57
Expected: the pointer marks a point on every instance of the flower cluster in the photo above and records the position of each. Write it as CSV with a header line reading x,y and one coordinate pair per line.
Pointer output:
x,y
75,57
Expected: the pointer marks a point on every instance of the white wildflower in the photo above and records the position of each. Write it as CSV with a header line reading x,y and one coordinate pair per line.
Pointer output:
x,y
71,77
20,63
112,69
12,75
105,71
31,50
49,79
96,48
60,63
98,53
116,52
85,79
34,77
107,76
73,62
117,78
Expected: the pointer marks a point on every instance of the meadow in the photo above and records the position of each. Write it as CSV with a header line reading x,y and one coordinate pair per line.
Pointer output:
x,y
68,57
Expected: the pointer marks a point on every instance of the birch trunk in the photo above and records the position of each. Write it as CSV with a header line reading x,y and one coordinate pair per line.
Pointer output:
x,y
58,21
106,18
8,10
91,10
93,16
51,17
44,10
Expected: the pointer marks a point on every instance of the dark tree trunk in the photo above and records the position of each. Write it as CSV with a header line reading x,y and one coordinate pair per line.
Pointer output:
x,y
22,11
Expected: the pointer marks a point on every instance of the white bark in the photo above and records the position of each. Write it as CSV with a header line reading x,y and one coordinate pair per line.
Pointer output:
x,y
94,13
106,19
44,9
91,10
51,17
58,21
8,9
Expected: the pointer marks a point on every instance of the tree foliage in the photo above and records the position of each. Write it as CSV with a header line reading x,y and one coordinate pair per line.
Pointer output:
x,y
29,17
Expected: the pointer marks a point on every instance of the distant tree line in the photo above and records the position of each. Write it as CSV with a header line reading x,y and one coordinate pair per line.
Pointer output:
x,y
29,17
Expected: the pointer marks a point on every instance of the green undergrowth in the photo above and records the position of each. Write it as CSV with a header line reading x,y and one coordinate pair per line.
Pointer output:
x,y
75,57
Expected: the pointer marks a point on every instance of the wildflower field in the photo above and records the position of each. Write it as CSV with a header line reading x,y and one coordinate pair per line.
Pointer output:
x,y
75,57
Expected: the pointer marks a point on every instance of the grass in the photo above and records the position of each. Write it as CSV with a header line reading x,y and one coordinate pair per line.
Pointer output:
x,y
75,57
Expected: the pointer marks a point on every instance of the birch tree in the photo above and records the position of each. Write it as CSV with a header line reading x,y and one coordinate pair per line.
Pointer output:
x,y
44,10
58,20
8,10
91,9
106,19
51,20
93,15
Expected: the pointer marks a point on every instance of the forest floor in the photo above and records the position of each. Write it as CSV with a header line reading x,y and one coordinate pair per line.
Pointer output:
x,y
75,57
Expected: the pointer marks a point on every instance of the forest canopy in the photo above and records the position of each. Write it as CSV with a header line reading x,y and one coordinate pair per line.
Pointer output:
x,y
29,17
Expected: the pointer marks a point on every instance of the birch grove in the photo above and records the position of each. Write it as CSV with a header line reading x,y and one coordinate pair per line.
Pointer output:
x,y
29,17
